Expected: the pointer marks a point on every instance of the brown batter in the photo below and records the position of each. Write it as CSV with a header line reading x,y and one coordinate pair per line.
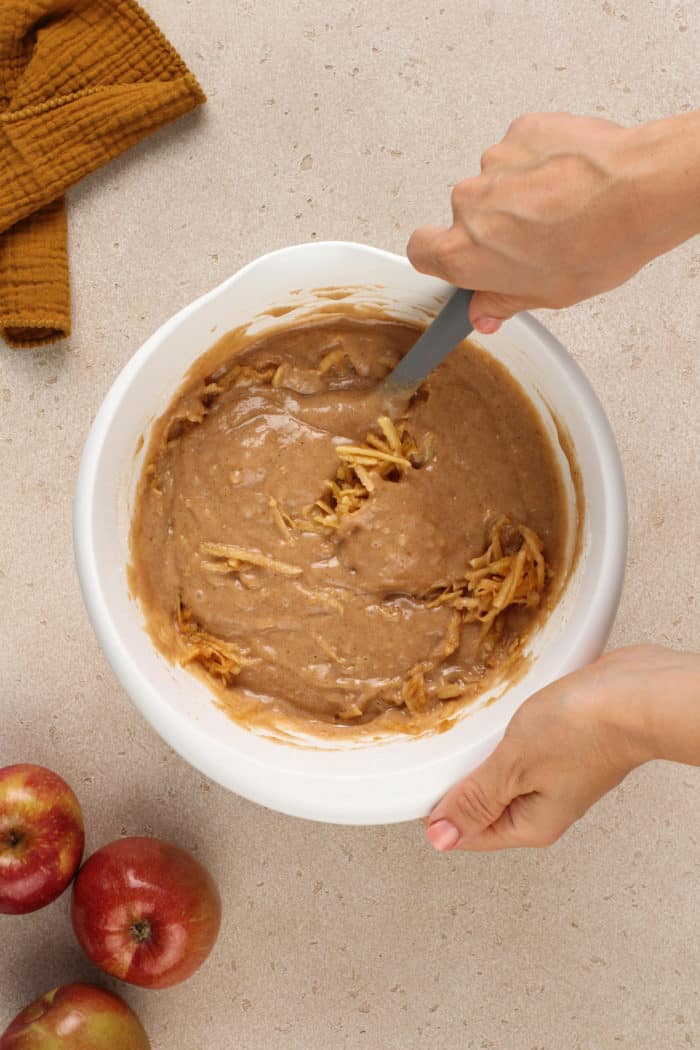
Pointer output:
x,y
342,605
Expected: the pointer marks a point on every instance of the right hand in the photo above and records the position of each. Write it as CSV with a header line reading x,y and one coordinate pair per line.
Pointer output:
x,y
556,216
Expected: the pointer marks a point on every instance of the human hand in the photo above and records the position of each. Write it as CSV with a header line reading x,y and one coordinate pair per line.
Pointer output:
x,y
570,744
565,207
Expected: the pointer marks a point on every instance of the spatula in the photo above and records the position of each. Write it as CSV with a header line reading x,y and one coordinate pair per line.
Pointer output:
x,y
442,335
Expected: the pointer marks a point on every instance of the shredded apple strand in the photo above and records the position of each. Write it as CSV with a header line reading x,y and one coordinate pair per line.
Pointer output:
x,y
497,580
223,660
389,452
494,582
511,572
236,557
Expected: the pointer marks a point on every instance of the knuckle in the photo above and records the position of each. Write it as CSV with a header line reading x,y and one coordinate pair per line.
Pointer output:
x,y
456,197
483,228
412,253
490,157
474,806
517,771
526,122
519,124
519,774
461,194
446,252
452,270
418,248
478,231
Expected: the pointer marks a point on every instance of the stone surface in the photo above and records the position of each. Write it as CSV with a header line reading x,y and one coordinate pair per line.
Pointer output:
x,y
334,120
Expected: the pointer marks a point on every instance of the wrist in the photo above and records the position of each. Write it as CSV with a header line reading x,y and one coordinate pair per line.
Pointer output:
x,y
622,715
648,705
661,162
671,700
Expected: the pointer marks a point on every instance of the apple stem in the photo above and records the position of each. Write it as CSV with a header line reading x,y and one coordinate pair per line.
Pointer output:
x,y
141,930
14,838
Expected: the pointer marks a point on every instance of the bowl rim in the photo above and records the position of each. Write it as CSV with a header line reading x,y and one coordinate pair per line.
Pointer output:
x,y
593,621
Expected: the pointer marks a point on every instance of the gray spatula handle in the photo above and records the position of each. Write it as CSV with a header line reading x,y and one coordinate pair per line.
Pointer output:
x,y
449,328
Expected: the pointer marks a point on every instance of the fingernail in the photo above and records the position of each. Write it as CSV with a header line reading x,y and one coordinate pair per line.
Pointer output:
x,y
443,835
487,325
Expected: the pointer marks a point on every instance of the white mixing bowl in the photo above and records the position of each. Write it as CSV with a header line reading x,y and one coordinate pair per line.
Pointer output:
x,y
371,783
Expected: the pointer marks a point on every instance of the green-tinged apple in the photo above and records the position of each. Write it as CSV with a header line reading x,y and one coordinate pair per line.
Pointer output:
x,y
76,1017
41,837
146,912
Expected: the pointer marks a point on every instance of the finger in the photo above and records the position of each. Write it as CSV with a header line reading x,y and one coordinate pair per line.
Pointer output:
x,y
431,248
429,245
488,310
465,196
477,802
530,821
504,154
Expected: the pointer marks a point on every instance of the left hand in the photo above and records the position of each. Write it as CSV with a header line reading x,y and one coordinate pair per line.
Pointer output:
x,y
565,748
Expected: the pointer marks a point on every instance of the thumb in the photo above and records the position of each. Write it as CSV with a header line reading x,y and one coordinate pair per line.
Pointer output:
x,y
489,309
476,811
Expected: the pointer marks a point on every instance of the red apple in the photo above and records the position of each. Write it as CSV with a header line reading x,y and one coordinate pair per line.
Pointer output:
x,y
76,1017
146,912
41,837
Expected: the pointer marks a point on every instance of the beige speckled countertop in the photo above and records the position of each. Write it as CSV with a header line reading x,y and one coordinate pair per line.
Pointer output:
x,y
352,121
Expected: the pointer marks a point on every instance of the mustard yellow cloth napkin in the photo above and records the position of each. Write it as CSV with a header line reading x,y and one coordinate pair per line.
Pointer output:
x,y
80,82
